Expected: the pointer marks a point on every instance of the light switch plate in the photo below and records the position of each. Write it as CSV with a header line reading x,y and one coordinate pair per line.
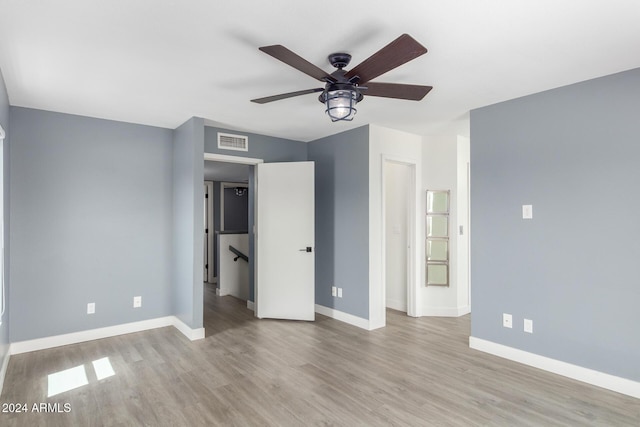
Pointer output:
x,y
339,292
334,291
137,302
91,308
527,211
528,325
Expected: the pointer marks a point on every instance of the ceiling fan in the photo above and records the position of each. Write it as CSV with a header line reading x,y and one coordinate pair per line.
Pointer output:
x,y
344,89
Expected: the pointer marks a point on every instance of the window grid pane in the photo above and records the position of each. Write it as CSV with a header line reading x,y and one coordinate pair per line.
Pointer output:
x,y
437,234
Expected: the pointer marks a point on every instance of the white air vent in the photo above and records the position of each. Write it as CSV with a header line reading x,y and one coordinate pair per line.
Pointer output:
x,y
227,141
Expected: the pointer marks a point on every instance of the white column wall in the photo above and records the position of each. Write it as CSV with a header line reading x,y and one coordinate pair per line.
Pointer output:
x,y
445,159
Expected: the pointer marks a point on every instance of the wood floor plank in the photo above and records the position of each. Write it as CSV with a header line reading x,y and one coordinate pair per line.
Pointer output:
x,y
248,372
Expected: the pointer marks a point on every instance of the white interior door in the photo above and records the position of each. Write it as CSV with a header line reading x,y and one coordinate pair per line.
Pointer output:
x,y
285,258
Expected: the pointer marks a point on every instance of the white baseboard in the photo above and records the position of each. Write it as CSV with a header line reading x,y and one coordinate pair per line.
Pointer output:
x,y
464,310
3,369
445,311
586,375
397,305
109,331
192,334
251,305
343,317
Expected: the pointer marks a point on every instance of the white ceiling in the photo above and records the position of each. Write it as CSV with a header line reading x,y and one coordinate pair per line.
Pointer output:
x,y
160,62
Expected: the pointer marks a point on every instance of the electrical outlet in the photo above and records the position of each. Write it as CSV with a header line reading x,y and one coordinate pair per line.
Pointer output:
x,y
334,291
507,320
339,292
137,302
528,325
91,308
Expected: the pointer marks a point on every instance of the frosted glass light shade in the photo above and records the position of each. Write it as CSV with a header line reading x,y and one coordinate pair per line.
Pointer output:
x,y
341,104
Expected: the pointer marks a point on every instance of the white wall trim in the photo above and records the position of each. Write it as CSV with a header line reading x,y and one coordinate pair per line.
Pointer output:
x,y
464,310
107,332
232,159
589,376
343,317
211,252
192,334
3,369
398,305
446,311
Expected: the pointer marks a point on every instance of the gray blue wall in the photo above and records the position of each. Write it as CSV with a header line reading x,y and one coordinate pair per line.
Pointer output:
x,y
573,154
342,219
236,210
268,148
188,222
91,210
4,121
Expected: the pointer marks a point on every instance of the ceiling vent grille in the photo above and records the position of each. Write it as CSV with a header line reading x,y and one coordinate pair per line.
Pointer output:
x,y
227,141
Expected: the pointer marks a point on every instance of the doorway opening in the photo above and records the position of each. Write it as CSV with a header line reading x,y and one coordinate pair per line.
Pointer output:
x,y
399,236
229,180
279,222
396,187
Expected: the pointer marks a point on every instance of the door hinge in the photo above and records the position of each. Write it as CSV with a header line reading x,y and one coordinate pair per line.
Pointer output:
x,y
206,230
206,196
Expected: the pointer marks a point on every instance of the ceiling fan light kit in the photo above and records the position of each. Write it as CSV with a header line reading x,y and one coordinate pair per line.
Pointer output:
x,y
341,101
344,89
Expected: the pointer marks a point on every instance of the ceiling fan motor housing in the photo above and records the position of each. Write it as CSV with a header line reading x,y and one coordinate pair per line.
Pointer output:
x,y
336,87
339,60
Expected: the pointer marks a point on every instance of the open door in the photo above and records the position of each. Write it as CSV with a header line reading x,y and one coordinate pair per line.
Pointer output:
x,y
285,258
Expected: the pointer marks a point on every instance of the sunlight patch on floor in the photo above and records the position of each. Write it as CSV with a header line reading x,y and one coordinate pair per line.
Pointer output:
x,y
73,378
66,380
103,368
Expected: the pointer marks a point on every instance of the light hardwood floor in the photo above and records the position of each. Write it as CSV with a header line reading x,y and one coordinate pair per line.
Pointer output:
x,y
415,372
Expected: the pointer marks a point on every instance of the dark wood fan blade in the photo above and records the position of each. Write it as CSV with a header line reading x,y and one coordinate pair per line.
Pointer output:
x,y
285,95
396,90
290,58
400,51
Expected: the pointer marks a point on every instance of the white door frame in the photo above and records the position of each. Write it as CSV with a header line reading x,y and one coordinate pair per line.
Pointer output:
x,y
210,235
412,237
243,161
